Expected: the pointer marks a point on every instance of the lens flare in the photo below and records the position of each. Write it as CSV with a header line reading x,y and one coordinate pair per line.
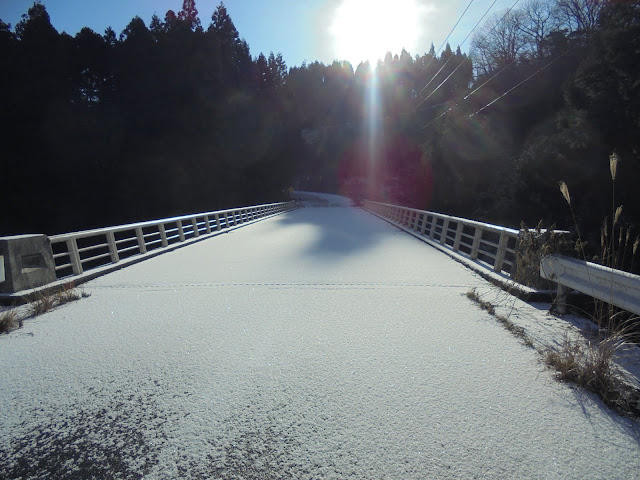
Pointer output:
x,y
366,29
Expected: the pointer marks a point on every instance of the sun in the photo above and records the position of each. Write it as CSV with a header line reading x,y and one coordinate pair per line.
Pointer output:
x,y
366,29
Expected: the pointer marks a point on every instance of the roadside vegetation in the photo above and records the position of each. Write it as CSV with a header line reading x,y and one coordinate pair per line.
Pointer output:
x,y
14,317
587,363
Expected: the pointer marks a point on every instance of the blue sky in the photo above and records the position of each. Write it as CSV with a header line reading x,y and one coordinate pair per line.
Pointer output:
x,y
299,29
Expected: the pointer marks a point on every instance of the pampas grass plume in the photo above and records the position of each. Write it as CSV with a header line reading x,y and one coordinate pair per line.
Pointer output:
x,y
565,192
613,165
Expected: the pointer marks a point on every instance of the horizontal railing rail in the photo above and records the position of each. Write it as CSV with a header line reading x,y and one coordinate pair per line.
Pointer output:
x,y
492,246
615,287
75,253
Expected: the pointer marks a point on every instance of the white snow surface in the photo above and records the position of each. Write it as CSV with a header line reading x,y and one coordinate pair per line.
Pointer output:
x,y
319,344
317,199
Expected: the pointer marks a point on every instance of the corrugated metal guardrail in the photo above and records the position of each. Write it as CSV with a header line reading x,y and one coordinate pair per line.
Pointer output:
x,y
615,287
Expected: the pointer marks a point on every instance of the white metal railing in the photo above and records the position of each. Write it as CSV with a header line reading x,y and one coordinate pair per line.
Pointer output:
x,y
75,253
615,287
491,245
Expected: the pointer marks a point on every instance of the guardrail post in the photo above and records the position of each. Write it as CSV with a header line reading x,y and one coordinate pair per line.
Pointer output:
x,y
475,246
456,242
140,236
74,256
113,248
163,235
180,230
502,250
226,219
560,302
207,223
444,231
196,232
217,219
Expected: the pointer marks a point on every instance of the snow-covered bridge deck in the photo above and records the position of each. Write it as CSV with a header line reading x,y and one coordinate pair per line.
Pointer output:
x,y
322,343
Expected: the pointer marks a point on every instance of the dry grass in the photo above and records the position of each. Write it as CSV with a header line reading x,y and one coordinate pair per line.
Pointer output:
x,y
502,319
532,247
68,294
517,330
483,304
47,301
590,365
42,304
9,320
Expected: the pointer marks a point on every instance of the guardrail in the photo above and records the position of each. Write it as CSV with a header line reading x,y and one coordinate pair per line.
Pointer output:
x,y
615,287
491,245
75,253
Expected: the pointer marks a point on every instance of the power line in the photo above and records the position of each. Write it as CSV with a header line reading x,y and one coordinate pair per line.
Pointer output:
x,y
464,60
445,41
470,53
520,83
492,77
540,69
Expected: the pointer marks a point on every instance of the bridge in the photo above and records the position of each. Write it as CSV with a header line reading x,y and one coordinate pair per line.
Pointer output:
x,y
320,342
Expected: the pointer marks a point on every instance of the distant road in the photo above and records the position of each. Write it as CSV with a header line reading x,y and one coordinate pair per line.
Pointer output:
x,y
322,343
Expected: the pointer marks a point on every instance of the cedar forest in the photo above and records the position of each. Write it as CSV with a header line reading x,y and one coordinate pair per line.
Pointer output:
x,y
178,117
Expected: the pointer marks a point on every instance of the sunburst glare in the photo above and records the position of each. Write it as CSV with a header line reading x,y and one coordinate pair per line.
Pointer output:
x,y
366,29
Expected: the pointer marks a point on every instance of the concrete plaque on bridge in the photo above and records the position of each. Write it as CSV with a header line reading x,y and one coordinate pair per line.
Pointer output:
x,y
27,262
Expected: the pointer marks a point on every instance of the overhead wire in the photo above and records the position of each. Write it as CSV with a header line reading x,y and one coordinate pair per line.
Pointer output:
x,y
523,81
459,66
499,97
461,63
445,41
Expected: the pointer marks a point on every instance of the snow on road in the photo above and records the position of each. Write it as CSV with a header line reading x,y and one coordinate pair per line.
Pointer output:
x,y
322,343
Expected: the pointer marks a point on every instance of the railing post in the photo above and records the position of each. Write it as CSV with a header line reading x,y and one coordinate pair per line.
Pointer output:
x,y
74,256
444,231
476,243
180,230
140,236
217,218
456,242
207,223
502,250
226,219
196,232
163,235
424,223
432,227
113,248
